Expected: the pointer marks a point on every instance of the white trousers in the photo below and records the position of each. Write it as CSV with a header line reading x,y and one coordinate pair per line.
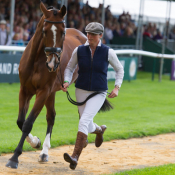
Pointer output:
x,y
88,110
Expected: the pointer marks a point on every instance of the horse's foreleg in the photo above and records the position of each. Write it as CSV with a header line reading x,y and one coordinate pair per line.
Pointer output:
x,y
50,122
27,127
34,141
24,101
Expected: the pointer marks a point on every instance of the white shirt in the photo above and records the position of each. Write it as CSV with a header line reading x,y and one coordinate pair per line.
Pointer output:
x,y
113,61
3,37
108,33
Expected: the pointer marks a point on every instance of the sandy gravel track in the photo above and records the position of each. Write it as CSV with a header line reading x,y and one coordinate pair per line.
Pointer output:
x,y
111,157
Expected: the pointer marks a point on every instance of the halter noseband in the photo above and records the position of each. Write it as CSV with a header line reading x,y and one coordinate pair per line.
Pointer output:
x,y
53,50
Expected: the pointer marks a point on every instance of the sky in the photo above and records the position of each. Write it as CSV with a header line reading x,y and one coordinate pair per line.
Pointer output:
x,y
151,8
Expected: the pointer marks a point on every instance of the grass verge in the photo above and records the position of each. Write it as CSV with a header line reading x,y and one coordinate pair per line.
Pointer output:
x,y
159,170
143,107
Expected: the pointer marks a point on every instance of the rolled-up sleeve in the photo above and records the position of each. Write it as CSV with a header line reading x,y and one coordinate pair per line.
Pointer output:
x,y
71,66
118,68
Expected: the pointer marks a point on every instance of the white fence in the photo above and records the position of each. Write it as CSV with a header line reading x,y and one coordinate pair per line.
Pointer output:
x,y
12,48
129,52
118,52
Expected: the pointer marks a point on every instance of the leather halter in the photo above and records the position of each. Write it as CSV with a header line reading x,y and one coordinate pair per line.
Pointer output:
x,y
53,50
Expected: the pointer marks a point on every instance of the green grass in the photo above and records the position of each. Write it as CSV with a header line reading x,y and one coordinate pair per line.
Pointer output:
x,y
160,170
143,107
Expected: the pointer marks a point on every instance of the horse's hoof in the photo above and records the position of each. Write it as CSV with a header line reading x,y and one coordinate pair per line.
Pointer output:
x,y
43,158
12,164
38,145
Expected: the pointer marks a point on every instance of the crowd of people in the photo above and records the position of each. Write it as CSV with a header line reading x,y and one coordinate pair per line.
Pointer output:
x,y
26,16
80,15
28,13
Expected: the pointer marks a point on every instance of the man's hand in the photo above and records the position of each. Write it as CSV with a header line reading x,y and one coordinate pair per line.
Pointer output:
x,y
64,88
114,93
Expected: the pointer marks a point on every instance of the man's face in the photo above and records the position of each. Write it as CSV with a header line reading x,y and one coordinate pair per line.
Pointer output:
x,y
93,38
2,26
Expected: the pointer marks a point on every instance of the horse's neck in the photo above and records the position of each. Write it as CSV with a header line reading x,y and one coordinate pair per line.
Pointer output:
x,y
36,39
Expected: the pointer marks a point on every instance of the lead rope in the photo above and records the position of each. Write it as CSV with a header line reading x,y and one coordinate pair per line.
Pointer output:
x,y
69,97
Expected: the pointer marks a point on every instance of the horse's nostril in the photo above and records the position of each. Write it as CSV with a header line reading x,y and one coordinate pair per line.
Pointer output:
x,y
48,67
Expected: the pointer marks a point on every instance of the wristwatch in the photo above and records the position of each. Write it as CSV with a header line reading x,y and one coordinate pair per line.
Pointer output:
x,y
117,86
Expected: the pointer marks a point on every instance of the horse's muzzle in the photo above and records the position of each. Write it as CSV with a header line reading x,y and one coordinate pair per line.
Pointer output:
x,y
55,61
52,69
53,64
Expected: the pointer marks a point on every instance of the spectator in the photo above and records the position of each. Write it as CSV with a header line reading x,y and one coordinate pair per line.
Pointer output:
x,y
26,37
122,17
128,32
128,16
147,33
81,28
108,34
71,24
122,28
26,28
158,35
76,20
116,31
172,33
69,19
4,34
18,39
2,13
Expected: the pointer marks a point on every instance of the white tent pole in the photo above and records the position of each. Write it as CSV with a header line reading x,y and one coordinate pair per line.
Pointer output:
x,y
139,37
12,19
141,25
103,15
165,37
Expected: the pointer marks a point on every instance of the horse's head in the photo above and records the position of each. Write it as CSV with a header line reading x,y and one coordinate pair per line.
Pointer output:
x,y
53,35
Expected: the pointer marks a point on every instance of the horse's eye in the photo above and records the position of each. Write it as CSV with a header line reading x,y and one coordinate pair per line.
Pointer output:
x,y
63,35
43,31
44,34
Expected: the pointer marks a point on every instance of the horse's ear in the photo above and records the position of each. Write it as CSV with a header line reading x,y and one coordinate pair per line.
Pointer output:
x,y
43,9
63,10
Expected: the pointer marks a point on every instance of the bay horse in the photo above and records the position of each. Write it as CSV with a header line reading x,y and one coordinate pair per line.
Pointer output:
x,y
41,70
